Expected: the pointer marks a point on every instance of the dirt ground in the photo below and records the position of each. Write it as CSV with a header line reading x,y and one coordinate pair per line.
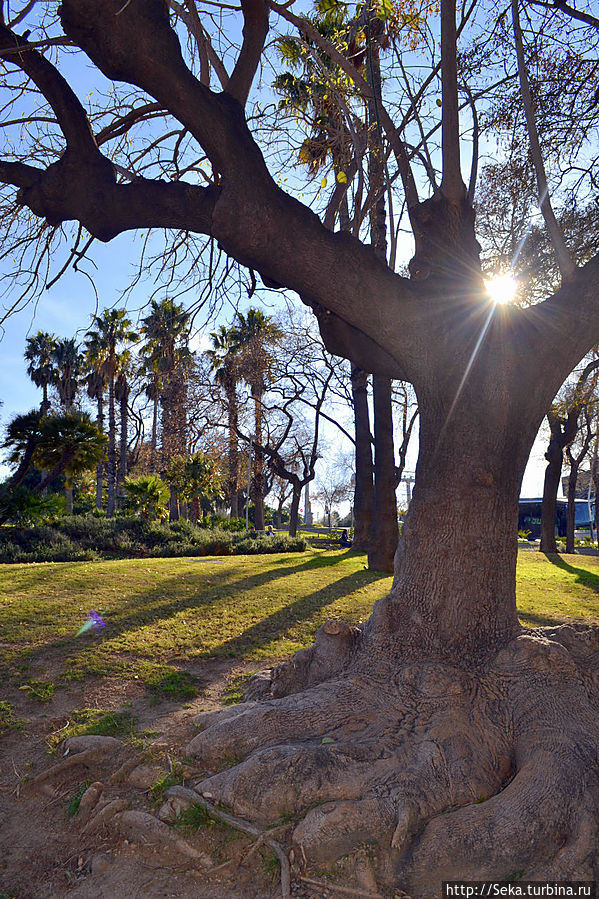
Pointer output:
x,y
47,853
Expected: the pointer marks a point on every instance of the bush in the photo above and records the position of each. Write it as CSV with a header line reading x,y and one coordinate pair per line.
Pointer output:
x,y
86,537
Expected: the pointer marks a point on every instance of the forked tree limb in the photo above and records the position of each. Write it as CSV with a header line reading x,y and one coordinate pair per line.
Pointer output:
x,y
255,29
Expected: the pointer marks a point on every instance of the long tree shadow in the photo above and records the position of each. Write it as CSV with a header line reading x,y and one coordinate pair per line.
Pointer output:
x,y
584,577
148,608
275,625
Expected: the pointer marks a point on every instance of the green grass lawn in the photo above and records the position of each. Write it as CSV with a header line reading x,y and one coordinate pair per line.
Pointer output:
x,y
163,613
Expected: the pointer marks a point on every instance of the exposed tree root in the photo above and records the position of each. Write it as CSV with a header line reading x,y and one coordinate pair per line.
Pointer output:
x,y
192,797
445,772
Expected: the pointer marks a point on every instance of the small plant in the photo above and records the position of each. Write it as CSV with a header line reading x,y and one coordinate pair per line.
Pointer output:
x,y
8,719
195,816
523,535
95,721
234,692
173,685
41,691
270,863
75,800
172,778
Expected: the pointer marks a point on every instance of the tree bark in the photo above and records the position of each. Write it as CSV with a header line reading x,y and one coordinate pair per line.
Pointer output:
x,y
173,505
257,487
124,415
384,529
111,464
100,465
154,439
296,497
563,432
233,451
364,487
571,511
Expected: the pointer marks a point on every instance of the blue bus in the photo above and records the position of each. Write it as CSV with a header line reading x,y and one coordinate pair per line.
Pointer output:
x,y
529,516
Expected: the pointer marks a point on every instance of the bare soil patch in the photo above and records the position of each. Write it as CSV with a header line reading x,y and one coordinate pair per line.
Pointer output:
x,y
47,848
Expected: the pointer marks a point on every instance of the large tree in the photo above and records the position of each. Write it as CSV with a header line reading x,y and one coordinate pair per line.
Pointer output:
x,y
440,698
40,367
109,332
167,356
253,335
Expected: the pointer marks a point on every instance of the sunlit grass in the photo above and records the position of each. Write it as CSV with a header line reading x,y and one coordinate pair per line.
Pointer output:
x,y
170,611
163,614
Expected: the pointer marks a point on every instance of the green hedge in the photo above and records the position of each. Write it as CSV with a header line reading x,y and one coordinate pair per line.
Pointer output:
x,y
86,537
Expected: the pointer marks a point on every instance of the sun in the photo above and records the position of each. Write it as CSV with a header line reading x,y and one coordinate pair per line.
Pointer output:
x,y
501,288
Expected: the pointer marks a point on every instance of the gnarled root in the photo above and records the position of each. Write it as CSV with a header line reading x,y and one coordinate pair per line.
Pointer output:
x,y
446,773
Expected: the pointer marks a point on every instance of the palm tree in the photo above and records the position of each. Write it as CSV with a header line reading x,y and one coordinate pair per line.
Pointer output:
x,y
96,380
39,356
69,444
66,444
251,337
224,364
68,364
166,328
148,370
109,330
146,495
21,439
122,390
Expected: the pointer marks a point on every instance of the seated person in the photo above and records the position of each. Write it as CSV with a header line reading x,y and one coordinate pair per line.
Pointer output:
x,y
269,531
345,541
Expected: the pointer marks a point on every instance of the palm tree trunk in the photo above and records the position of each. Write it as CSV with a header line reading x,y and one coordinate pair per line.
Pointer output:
x,y
154,433
111,467
124,429
258,479
68,493
173,505
100,465
232,413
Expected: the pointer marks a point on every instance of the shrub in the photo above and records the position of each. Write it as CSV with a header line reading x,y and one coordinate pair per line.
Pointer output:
x,y
86,537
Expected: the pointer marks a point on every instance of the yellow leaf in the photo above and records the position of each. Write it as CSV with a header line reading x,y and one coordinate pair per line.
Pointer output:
x,y
341,177
323,183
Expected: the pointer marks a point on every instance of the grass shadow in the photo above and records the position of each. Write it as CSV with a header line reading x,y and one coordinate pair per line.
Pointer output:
x,y
151,607
301,609
584,577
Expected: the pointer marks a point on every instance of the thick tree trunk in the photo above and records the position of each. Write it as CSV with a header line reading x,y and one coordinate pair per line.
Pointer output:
x,y
296,497
553,472
383,529
571,513
437,703
364,487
